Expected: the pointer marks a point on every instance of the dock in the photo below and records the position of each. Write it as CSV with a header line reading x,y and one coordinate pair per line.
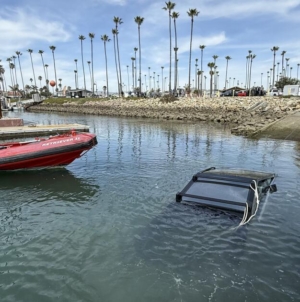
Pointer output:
x,y
35,130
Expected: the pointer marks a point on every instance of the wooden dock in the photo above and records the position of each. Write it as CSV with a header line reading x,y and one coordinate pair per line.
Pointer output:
x,y
39,130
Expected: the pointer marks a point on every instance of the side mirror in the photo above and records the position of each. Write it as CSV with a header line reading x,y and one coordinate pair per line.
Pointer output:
x,y
273,188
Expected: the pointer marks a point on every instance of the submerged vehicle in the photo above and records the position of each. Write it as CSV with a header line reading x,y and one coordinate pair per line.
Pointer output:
x,y
237,191
59,150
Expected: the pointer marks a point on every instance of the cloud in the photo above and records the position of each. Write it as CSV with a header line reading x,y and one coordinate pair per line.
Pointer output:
x,y
162,52
20,28
233,9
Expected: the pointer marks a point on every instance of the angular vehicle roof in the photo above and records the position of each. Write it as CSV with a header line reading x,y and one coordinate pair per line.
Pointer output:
x,y
235,174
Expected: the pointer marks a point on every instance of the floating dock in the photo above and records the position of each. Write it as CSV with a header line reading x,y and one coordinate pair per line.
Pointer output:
x,y
35,130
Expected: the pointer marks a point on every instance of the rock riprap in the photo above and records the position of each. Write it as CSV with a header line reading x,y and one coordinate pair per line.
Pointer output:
x,y
244,115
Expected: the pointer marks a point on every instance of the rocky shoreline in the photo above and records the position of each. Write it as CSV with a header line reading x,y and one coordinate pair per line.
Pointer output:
x,y
244,115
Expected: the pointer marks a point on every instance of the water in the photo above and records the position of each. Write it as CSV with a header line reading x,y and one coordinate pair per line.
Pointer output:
x,y
107,228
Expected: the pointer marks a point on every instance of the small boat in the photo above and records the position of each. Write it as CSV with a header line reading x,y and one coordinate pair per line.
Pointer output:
x,y
59,150
233,190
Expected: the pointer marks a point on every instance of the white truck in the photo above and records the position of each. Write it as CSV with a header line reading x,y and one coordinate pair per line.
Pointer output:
x,y
291,90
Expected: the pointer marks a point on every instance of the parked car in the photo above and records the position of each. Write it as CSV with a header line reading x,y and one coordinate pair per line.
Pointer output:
x,y
229,93
274,92
242,93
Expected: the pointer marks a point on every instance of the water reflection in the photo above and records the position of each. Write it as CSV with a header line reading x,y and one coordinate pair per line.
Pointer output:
x,y
57,183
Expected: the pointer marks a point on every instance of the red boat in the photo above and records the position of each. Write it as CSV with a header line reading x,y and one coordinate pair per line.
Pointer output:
x,y
58,150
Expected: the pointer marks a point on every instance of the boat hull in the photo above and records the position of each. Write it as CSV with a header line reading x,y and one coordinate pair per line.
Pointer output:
x,y
56,151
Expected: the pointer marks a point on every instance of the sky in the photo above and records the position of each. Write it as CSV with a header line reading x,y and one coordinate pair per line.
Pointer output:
x,y
226,28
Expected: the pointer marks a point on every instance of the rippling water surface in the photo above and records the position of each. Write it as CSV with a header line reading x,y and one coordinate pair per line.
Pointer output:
x,y
107,227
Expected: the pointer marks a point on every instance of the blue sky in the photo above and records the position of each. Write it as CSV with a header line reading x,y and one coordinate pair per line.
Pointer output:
x,y
226,28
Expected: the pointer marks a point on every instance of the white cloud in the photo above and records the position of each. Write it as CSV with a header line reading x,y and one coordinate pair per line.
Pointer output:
x,y
21,28
233,9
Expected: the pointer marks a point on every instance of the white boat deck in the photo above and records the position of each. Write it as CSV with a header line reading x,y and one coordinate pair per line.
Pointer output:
x,y
39,130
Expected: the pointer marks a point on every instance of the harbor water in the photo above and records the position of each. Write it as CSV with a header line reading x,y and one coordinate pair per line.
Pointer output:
x,y
107,227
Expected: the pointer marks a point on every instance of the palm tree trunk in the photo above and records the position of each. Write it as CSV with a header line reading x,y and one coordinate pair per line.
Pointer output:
x,y
116,64
21,72
170,69
33,70
90,76
247,67
201,71
140,71
82,66
54,69
274,69
92,53
120,83
44,68
175,76
211,82
190,57
16,79
250,69
226,74
132,75
107,93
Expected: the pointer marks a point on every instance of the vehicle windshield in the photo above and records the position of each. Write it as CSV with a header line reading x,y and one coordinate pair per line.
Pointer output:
x,y
219,191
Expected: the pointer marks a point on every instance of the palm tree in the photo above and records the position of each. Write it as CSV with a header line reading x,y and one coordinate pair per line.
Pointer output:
x,y
81,38
199,73
30,53
89,65
215,61
118,21
286,66
11,68
76,74
227,59
250,69
105,39
47,81
247,68
175,15
191,13
18,53
114,32
16,79
202,48
40,79
211,65
92,36
2,70
41,53
53,49
169,7
274,49
135,50
282,65
132,59
139,20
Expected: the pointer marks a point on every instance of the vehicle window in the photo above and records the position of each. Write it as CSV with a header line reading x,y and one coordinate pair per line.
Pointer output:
x,y
218,191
